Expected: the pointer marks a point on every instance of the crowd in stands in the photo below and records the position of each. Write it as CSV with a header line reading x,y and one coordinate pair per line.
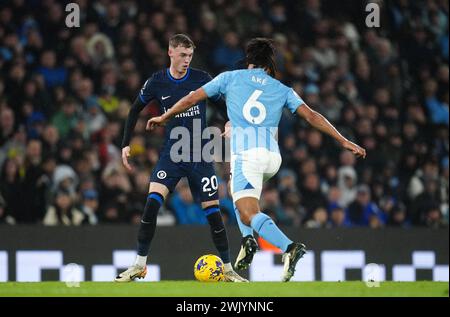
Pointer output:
x,y
65,94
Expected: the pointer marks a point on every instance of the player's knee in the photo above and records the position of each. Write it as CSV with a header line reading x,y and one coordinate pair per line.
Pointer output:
x,y
210,204
158,188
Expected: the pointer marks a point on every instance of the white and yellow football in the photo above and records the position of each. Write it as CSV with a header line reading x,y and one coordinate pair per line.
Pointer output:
x,y
209,268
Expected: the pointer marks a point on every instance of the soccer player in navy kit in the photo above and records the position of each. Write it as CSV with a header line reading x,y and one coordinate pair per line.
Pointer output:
x,y
168,86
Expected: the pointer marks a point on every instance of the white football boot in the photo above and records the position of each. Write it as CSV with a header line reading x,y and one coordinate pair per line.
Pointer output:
x,y
232,276
132,273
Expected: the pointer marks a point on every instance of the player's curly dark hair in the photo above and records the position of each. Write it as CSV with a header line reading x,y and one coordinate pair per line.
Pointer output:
x,y
261,53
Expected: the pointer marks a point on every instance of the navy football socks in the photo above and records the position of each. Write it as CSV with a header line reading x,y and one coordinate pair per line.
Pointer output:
x,y
148,223
218,232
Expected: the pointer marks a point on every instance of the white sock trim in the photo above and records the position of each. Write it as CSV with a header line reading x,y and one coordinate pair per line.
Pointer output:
x,y
140,261
227,267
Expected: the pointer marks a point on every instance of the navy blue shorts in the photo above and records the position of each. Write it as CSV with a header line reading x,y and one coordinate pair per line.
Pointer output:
x,y
201,176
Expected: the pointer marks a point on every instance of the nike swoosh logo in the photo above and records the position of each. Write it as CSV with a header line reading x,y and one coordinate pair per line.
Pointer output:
x,y
164,97
210,194
219,231
134,276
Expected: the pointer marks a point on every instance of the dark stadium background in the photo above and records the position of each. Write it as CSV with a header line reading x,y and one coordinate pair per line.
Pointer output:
x,y
65,94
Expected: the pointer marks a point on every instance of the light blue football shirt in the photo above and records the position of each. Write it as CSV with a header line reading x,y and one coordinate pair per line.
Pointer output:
x,y
255,102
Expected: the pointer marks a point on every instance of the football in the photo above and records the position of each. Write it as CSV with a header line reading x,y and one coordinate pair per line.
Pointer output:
x,y
209,268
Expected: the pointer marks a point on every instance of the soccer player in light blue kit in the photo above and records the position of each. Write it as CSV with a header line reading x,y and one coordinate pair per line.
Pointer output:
x,y
255,101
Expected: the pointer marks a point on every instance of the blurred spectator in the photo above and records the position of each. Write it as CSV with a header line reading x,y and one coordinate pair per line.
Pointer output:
x,y
114,191
3,214
398,217
228,53
50,140
52,74
7,125
64,177
347,185
287,180
111,213
248,17
334,195
312,193
416,186
89,206
323,54
425,204
363,211
278,16
271,202
67,118
10,188
94,117
107,100
294,211
319,219
433,217
63,212
209,37
100,49
35,125
438,110
338,218
187,212
33,189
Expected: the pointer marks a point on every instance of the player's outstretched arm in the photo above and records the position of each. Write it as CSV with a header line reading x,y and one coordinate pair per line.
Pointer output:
x,y
182,105
133,116
321,123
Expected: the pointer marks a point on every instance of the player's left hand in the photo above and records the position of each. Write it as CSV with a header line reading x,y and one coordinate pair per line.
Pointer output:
x,y
155,122
125,155
227,131
355,148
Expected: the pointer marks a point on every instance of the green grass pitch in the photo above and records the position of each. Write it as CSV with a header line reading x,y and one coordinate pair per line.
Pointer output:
x,y
254,289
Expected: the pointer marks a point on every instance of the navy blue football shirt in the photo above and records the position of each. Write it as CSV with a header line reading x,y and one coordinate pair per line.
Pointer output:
x,y
167,90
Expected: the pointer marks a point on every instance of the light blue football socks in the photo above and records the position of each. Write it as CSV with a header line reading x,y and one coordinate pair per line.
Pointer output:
x,y
267,229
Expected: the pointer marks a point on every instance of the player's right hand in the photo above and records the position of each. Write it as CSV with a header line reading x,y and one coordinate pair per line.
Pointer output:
x,y
125,155
155,122
355,148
